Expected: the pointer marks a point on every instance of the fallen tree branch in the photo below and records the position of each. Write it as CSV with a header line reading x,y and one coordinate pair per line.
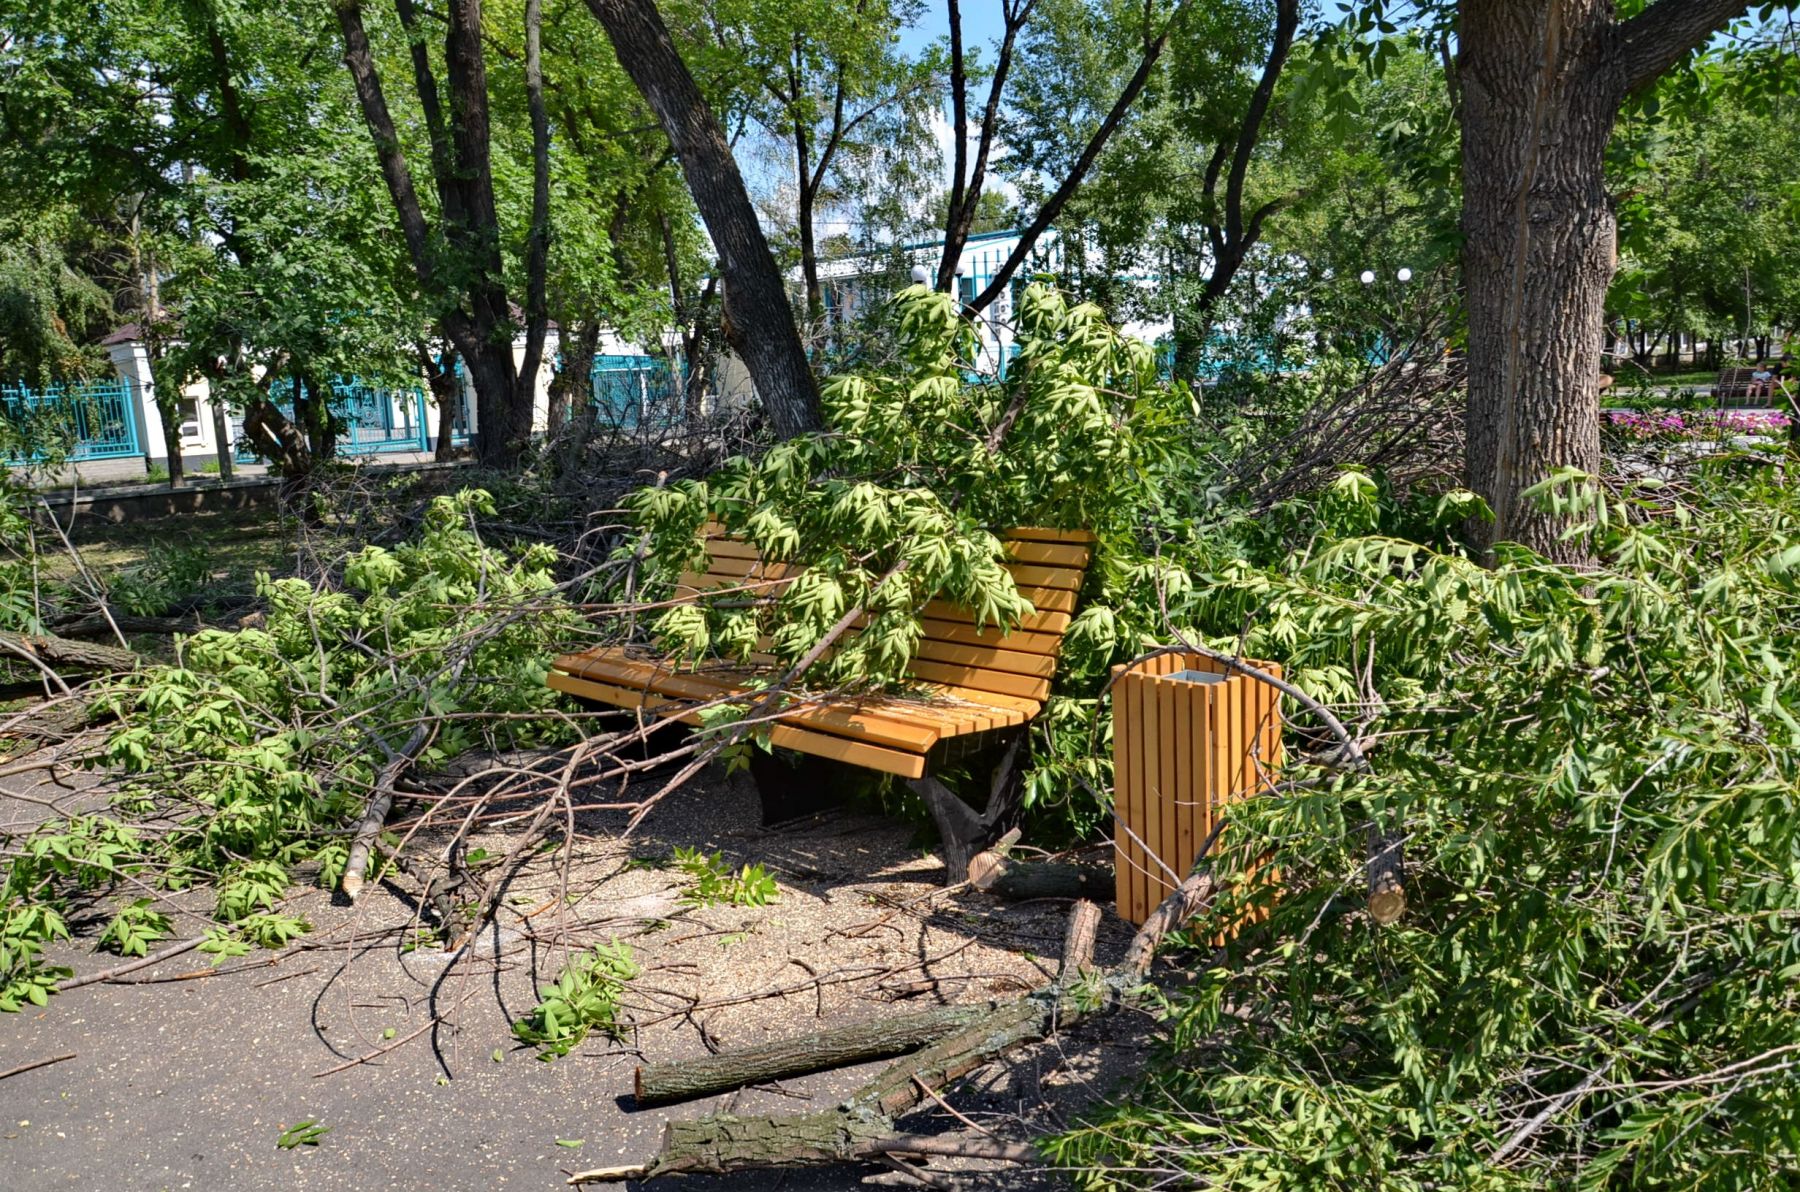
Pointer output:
x,y
47,649
1022,881
862,1126
53,720
1078,942
375,815
882,1038
119,970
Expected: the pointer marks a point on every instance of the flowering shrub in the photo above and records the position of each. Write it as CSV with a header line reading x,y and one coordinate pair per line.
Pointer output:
x,y
1693,424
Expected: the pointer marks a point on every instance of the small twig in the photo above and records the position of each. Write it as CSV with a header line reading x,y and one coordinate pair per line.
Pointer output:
x,y
284,977
911,1172
131,966
55,1059
947,1108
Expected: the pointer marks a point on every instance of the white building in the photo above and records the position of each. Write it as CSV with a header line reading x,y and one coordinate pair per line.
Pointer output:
x,y
855,284
629,384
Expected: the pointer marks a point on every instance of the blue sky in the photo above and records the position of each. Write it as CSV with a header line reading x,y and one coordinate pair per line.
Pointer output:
x,y
980,21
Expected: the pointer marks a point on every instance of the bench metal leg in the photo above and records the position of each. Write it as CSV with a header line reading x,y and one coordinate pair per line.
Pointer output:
x,y
964,831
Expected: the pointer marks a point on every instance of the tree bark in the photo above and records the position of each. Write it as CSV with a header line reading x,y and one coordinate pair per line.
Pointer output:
x,y
61,652
1078,942
446,394
759,320
1542,82
1386,872
863,1124
880,1038
571,390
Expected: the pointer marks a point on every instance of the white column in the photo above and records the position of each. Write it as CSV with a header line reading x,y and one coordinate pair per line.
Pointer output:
x,y
132,362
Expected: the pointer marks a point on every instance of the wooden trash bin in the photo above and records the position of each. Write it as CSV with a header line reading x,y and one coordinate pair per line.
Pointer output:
x,y
1188,737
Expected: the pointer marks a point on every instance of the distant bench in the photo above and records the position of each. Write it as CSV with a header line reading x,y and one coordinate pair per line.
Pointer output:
x,y
973,688
1734,385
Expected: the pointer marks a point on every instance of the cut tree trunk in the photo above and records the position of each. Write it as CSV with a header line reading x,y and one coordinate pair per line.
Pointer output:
x,y
882,1038
863,1125
1386,876
759,320
1020,881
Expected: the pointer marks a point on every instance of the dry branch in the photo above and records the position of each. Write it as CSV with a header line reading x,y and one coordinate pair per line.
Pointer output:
x,y
130,966
34,1065
380,803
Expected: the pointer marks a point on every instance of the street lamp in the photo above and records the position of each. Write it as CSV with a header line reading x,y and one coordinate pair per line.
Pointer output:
x,y
1367,277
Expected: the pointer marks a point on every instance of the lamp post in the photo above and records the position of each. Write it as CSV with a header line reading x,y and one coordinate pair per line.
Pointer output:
x,y
1368,278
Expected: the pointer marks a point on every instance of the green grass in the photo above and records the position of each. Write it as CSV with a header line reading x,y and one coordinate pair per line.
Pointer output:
x,y
238,542
1679,379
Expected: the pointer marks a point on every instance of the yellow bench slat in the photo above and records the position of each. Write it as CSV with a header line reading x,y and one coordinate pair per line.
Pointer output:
x,y
1054,553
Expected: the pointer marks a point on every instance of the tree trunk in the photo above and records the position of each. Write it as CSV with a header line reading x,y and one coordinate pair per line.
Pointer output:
x,y
1022,881
1538,251
479,318
1542,82
572,388
446,393
759,321
171,425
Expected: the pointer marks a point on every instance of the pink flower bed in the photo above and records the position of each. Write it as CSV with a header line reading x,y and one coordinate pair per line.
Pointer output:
x,y
1696,424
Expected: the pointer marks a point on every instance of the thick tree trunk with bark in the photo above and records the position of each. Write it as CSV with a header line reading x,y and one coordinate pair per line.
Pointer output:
x,y
1538,251
1541,85
60,653
759,321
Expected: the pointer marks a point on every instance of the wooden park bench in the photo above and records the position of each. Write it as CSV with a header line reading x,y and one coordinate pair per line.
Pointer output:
x,y
972,689
1733,385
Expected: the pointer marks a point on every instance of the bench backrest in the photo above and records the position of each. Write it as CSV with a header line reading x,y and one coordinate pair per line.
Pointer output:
x,y
1047,565
1733,382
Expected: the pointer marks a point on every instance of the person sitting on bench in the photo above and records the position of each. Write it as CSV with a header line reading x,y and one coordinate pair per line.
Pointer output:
x,y
1762,380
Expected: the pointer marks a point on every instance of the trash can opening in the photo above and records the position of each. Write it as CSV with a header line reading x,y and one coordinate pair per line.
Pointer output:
x,y
1196,676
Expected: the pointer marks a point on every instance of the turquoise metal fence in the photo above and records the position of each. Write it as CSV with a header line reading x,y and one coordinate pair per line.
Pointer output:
x,y
636,393
95,420
373,420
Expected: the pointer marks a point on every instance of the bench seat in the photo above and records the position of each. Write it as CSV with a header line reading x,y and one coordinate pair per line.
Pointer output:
x,y
965,681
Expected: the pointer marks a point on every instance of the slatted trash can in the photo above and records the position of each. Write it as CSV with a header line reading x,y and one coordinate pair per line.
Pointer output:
x,y
1188,738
